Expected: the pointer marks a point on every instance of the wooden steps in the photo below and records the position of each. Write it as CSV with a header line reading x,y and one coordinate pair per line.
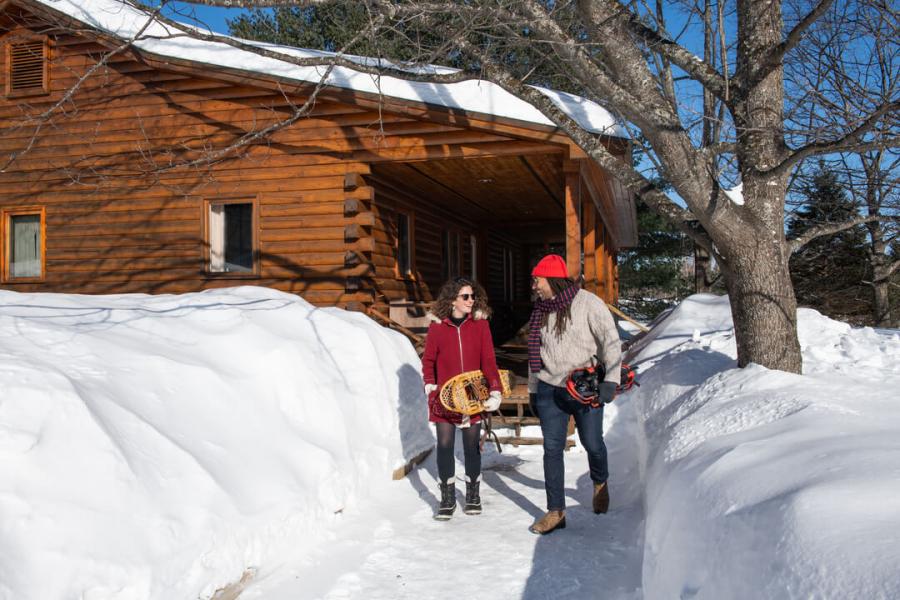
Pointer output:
x,y
514,413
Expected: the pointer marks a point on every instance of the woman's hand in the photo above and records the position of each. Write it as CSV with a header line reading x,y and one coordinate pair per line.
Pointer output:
x,y
493,402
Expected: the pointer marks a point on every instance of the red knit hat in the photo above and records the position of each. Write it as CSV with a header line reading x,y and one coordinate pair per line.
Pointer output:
x,y
552,265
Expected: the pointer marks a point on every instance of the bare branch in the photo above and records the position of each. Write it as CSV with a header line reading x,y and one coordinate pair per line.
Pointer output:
x,y
770,62
45,116
686,60
594,146
826,229
852,140
256,3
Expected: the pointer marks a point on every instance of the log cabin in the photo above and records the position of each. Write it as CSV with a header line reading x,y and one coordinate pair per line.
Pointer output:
x,y
135,158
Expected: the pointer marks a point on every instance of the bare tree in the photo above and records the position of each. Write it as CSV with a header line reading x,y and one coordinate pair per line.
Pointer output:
x,y
876,188
843,70
709,122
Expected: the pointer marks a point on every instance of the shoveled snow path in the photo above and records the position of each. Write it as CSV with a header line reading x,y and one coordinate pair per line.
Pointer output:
x,y
392,548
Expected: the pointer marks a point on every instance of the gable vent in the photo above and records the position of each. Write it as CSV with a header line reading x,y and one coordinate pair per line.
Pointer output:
x,y
26,66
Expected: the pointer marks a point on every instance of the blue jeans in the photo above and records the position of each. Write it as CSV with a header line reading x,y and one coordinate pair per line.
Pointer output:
x,y
554,406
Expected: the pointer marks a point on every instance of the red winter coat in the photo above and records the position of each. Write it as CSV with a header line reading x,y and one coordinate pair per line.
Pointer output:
x,y
451,350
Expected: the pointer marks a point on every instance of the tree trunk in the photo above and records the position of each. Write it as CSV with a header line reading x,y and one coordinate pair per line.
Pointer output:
x,y
881,284
878,258
763,304
763,307
881,302
702,282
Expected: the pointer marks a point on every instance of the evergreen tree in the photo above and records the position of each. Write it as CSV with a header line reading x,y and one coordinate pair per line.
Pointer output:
x,y
334,25
828,272
657,273
329,27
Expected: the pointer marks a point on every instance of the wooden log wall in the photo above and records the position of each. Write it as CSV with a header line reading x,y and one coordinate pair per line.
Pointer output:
x,y
428,222
124,213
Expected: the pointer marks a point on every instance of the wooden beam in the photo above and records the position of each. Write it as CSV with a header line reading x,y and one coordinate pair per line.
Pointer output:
x,y
589,247
573,222
599,257
401,472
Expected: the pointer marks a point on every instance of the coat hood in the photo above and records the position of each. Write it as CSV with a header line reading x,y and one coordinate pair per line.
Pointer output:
x,y
476,316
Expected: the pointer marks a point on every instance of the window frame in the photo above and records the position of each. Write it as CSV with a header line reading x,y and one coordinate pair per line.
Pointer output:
x,y
410,274
25,38
254,273
6,217
446,251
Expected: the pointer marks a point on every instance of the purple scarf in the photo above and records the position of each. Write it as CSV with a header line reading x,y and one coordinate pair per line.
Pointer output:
x,y
541,308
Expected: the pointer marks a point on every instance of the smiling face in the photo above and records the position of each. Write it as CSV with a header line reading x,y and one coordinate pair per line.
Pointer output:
x,y
541,287
464,302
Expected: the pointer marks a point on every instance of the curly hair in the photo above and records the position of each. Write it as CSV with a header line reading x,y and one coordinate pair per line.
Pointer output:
x,y
443,306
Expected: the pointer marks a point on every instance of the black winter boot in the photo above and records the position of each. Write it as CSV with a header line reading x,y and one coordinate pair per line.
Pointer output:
x,y
448,502
473,498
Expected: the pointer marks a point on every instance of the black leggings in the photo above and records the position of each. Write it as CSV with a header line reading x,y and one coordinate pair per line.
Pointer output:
x,y
446,435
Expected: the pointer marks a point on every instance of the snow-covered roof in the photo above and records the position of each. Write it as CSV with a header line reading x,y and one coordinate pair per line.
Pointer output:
x,y
125,21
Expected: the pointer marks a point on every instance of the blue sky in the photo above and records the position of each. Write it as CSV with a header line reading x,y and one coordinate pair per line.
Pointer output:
x,y
212,17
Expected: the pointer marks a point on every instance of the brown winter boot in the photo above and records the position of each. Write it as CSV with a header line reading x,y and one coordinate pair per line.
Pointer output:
x,y
550,522
601,498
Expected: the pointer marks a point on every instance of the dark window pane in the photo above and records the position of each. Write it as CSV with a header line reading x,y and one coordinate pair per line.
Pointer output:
x,y
238,237
403,262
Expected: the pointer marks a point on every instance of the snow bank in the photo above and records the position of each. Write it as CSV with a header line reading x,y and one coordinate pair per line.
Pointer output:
x,y
159,446
763,484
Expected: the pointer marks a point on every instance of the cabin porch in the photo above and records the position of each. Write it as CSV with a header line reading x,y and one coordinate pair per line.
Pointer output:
x,y
490,218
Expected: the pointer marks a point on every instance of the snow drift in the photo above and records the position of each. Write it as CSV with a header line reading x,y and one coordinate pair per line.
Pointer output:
x,y
159,446
764,484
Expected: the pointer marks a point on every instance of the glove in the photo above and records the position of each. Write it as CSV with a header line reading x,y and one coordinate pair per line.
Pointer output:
x,y
429,388
532,404
493,402
607,392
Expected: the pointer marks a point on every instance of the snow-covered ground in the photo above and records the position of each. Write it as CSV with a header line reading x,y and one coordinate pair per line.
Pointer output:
x,y
763,484
160,447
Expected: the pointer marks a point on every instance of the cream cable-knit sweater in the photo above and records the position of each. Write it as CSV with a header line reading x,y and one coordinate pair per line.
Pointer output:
x,y
591,331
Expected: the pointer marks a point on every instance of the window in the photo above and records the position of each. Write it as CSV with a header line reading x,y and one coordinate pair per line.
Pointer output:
x,y
451,248
26,67
509,275
404,250
24,248
231,237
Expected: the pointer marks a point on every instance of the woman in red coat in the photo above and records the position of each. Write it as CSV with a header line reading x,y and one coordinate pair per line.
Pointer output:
x,y
459,340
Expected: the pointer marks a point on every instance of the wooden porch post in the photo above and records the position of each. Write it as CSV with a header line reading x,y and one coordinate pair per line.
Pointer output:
x,y
600,260
572,170
589,246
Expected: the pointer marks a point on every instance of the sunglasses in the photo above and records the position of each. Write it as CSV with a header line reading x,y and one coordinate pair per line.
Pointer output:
x,y
467,296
